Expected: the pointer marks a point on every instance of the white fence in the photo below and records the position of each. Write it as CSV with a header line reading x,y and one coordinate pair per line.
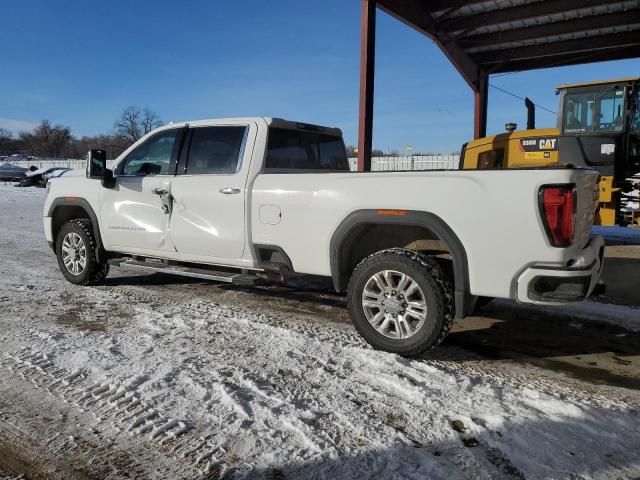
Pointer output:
x,y
378,164
416,162
61,163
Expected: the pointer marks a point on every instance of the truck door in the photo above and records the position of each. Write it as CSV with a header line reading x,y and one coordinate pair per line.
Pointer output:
x,y
209,192
135,213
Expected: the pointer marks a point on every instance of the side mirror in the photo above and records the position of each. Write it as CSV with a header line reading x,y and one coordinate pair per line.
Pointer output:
x,y
108,181
97,163
97,168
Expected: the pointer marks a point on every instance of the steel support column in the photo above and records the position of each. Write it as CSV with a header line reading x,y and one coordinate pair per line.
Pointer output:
x,y
480,104
367,75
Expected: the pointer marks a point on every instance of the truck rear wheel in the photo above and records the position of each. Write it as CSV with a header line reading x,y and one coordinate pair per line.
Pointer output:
x,y
401,301
76,252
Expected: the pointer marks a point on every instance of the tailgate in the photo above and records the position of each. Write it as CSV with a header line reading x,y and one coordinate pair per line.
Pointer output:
x,y
587,198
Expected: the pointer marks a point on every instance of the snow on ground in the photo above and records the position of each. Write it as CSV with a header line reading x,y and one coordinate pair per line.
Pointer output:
x,y
253,391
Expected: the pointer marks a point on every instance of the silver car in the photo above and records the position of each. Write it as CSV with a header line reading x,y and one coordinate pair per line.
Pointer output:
x,y
9,172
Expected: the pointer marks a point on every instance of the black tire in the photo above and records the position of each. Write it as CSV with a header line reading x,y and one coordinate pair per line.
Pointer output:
x,y
436,286
93,272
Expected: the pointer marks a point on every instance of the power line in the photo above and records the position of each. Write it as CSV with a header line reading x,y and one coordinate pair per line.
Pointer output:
x,y
522,98
496,75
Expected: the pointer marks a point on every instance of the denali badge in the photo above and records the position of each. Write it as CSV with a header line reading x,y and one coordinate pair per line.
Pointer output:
x,y
129,229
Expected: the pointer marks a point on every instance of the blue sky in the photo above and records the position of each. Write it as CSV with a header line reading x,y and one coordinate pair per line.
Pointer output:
x,y
81,63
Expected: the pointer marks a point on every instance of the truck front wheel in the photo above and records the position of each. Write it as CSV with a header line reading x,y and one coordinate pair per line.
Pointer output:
x,y
75,249
401,301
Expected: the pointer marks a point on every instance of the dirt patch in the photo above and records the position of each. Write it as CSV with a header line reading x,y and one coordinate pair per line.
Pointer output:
x,y
73,318
12,467
592,351
90,316
623,251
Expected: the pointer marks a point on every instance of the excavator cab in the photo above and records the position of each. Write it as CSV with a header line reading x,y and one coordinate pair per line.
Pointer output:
x,y
598,127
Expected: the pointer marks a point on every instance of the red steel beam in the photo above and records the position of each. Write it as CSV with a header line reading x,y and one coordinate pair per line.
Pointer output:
x,y
480,104
367,76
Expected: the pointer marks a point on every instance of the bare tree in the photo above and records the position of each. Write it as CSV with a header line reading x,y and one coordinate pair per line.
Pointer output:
x,y
59,141
112,144
150,120
128,125
6,141
135,122
46,140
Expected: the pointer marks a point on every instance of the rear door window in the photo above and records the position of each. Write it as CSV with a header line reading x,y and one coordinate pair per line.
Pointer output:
x,y
215,150
302,150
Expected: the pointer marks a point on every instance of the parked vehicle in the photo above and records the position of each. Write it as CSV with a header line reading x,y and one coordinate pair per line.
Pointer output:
x,y
239,200
30,177
51,174
17,157
10,172
40,177
598,126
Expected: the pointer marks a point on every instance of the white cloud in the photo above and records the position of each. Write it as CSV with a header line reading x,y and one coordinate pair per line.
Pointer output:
x,y
16,126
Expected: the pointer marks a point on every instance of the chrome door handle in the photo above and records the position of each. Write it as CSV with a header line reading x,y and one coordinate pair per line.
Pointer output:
x,y
229,190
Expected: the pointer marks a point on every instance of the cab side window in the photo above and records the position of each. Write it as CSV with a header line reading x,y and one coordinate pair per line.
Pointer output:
x,y
303,150
215,150
153,157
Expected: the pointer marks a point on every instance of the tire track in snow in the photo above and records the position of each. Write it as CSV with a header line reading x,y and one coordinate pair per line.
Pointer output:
x,y
242,398
479,369
476,369
184,301
119,402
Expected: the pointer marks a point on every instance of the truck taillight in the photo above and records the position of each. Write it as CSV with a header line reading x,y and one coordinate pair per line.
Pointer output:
x,y
558,209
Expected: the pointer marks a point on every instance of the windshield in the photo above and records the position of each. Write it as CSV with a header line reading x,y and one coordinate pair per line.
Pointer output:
x,y
599,111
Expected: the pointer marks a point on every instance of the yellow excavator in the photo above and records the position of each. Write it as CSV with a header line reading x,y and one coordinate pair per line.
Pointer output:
x,y
598,126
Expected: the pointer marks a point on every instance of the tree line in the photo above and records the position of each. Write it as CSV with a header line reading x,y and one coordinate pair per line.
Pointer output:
x,y
57,141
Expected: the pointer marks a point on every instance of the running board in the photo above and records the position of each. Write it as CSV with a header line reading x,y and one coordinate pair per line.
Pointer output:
x,y
234,278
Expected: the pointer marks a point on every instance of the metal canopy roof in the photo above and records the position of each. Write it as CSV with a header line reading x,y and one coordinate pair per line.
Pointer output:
x,y
484,37
494,36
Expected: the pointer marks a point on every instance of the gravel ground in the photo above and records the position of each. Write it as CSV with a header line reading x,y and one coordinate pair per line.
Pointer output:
x,y
163,377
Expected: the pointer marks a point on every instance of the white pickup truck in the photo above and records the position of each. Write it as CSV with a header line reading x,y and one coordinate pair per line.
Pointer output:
x,y
240,200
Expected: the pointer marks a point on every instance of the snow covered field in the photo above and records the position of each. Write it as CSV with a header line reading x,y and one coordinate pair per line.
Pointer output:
x,y
162,377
